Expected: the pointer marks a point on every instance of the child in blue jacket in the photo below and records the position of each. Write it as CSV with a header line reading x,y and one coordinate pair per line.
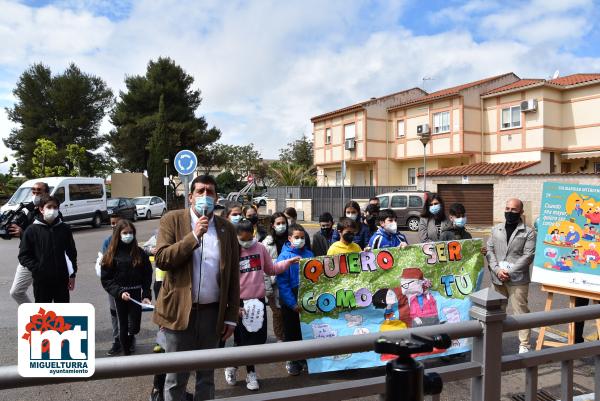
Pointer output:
x,y
387,235
288,283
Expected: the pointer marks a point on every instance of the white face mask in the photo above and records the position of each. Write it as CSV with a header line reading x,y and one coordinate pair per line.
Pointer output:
x,y
352,216
280,228
391,228
247,244
298,243
35,199
50,215
127,238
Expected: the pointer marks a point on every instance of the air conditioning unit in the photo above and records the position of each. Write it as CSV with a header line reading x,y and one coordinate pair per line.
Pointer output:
x,y
350,144
529,105
423,129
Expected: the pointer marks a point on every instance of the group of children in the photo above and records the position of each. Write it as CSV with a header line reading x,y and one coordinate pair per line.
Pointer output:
x,y
269,272
269,266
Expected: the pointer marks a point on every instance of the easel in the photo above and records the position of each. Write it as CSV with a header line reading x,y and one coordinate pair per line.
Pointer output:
x,y
572,294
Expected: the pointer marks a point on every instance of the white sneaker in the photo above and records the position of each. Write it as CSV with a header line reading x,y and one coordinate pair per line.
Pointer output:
x,y
252,381
231,376
523,349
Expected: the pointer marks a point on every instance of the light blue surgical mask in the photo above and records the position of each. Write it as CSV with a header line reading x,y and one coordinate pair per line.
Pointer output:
x,y
298,243
127,238
435,209
204,205
460,222
235,219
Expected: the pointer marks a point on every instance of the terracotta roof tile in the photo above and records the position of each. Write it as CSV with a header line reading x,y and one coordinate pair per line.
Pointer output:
x,y
561,81
507,168
455,90
518,84
360,105
575,79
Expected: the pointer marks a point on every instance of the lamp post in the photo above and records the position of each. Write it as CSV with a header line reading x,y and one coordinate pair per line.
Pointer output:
x,y
166,161
424,137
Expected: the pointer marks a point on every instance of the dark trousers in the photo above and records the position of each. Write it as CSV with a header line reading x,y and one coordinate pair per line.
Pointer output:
x,y
130,317
241,336
47,290
579,325
159,379
291,326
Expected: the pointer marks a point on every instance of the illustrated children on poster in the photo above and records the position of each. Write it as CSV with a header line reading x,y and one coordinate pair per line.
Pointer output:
x,y
423,307
593,216
576,250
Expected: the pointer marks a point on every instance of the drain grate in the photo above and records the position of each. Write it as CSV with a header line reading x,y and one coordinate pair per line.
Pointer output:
x,y
542,395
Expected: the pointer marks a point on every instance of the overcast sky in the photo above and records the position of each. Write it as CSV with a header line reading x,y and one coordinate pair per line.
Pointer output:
x,y
265,67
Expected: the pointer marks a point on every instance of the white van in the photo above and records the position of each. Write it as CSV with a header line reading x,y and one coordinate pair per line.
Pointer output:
x,y
82,199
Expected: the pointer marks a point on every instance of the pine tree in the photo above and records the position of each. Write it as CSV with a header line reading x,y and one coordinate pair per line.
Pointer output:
x,y
159,144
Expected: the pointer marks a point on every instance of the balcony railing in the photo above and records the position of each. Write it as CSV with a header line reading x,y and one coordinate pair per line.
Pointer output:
x,y
484,369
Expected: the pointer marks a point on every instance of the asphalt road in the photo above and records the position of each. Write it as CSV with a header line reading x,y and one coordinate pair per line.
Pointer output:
x,y
272,376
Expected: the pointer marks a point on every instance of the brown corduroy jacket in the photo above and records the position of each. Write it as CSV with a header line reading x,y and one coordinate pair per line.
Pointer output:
x,y
174,254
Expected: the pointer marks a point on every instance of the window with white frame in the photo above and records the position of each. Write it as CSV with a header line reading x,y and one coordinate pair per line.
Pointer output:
x,y
400,128
511,117
412,178
328,136
349,131
338,178
441,122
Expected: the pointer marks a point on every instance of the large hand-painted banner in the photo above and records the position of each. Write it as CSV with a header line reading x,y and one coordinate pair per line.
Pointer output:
x,y
568,237
385,290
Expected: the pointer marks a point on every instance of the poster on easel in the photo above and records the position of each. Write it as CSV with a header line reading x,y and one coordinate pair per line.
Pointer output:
x,y
568,239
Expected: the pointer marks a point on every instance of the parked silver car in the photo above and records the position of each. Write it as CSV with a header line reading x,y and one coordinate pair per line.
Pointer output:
x,y
148,206
407,205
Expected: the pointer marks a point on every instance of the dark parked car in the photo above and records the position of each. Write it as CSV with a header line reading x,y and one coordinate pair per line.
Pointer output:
x,y
124,207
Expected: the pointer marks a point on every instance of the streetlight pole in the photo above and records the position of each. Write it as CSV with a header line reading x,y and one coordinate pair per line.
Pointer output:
x,y
166,161
424,137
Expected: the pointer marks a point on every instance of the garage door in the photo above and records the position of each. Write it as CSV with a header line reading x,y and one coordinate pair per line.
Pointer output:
x,y
477,198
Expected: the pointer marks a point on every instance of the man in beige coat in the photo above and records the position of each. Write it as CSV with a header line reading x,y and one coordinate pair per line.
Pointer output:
x,y
198,304
510,252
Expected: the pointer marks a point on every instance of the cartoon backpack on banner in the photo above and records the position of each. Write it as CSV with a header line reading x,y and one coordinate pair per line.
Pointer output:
x,y
392,301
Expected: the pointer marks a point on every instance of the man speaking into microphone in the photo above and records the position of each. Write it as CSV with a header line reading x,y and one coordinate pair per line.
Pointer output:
x,y
198,304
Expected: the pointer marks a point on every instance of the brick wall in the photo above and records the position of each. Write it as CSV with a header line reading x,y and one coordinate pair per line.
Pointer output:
x,y
528,188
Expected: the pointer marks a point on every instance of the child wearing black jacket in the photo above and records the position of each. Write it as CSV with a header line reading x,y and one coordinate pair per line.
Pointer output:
x,y
126,274
47,249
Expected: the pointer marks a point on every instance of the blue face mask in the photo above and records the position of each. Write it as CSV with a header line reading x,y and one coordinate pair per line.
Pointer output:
x,y
235,219
460,222
435,209
204,205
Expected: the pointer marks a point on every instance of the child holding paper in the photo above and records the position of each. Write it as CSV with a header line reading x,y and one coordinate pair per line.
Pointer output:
x,y
126,274
251,329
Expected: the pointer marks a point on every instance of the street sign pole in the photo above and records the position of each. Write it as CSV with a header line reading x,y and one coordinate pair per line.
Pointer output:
x,y
186,190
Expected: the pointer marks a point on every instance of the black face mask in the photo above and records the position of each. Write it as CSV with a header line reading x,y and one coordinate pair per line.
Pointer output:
x,y
512,217
253,220
326,232
348,237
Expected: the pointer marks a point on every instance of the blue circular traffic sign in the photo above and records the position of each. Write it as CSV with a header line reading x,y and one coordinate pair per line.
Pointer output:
x,y
185,162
